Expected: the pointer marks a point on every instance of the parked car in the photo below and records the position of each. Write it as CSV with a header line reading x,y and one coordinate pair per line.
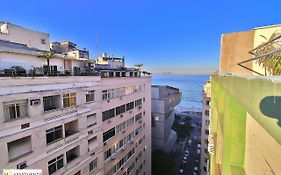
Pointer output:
x,y
180,171
186,153
189,142
195,169
184,158
199,146
198,151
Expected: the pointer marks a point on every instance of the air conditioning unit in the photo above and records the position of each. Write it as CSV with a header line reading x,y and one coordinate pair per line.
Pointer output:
x,y
21,165
140,121
34,102
108,121
108,101
123,131
121,115
90,132
112,158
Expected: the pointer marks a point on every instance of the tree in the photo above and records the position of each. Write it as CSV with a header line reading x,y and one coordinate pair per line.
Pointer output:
x,y
138,66
48,55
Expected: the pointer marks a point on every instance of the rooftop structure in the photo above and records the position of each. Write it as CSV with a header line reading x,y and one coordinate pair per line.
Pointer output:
x,y
163,101
24,52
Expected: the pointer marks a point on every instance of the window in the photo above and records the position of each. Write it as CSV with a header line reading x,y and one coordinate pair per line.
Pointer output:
x,y
206,131
93,165
130,121
108,134
129,106
120,127
206,141
43,41
90,96
19,148
109,152
55,164
105,94
138,117
138,102
138,130
69,100
15,110
91,120
206,112
207,122
120,109
53,134
51,102
92,143
208,102
120,144
108,114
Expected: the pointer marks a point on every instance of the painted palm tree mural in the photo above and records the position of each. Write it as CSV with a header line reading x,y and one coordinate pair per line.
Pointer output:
x,y
267,55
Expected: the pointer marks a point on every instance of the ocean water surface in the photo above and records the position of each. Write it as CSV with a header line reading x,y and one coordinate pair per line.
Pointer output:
x,y
191,87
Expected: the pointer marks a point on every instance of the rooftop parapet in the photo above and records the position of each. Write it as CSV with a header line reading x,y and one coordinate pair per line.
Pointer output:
x,y
170,96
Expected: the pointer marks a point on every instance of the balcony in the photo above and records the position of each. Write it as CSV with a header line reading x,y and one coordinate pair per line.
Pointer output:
x,y
52,103
71,128
19,148
72,154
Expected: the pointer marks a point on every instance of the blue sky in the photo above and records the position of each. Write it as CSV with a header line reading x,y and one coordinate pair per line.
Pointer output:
x,y
166,36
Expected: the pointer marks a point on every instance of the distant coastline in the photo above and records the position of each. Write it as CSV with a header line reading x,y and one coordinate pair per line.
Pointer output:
x,y
191,87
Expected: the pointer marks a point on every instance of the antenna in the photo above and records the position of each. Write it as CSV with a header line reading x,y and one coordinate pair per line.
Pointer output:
x,y
97,47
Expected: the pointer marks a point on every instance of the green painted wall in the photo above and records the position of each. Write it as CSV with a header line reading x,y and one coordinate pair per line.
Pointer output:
x,y
232,98
229,123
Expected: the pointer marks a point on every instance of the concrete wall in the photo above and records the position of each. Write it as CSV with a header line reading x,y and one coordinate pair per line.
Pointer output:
x,y
28,37
263,152
234,49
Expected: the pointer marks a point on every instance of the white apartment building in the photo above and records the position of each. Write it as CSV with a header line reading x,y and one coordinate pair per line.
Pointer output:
x,y
71,118
206,103
163,102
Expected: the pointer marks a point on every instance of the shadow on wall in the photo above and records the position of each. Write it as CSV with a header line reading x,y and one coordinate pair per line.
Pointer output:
x,y
271,107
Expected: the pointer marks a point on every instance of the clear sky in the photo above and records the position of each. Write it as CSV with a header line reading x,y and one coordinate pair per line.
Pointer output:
x,y
166,36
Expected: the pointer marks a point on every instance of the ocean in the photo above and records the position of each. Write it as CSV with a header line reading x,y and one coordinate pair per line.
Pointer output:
x,y
191,87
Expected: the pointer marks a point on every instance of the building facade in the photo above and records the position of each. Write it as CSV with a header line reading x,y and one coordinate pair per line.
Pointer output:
x,y
70,118
204,154
163,102
245,111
